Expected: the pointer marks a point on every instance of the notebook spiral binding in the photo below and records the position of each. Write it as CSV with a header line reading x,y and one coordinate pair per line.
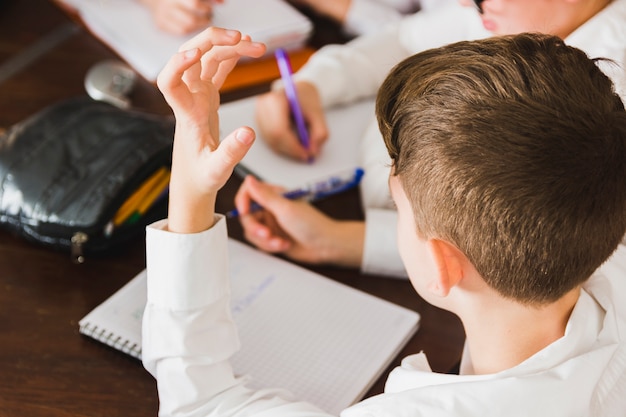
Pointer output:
x,y
109,338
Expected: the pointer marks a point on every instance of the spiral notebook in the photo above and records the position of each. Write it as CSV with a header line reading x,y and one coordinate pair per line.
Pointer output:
x,y
324,341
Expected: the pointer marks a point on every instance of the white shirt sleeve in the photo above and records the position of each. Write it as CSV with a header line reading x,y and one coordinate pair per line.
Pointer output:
x,y
189,335
380,252
352,71
348,72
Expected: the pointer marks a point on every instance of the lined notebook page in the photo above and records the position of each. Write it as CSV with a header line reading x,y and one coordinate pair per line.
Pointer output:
x,y
346,125
325,342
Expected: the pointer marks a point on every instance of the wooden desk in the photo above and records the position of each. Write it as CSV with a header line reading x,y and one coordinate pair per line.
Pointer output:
x,y
46,367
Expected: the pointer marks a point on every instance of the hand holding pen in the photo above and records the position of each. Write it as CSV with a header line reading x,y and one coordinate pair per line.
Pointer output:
x,y
277,125
315,190
297,229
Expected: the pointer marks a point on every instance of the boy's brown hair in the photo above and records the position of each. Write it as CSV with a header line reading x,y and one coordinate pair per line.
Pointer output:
x,y
514,150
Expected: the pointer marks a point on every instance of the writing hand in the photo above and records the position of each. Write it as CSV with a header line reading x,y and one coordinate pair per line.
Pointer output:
x,y
273,118
297,229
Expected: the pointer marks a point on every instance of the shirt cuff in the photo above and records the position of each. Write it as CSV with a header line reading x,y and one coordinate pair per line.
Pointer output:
x,y
380,251
201,259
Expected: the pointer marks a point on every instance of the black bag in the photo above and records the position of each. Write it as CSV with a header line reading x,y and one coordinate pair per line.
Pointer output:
x,y
67,169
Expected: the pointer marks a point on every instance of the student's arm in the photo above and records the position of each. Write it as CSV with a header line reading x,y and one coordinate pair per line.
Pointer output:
x,y
342,74
345,73
348,72
333,75
188,333
305,234
380,245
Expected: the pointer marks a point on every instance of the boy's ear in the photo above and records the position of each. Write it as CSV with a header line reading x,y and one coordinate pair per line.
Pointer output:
x,y
449,261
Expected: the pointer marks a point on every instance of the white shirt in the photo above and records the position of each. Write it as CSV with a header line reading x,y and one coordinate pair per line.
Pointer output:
x,y
189,336
345,73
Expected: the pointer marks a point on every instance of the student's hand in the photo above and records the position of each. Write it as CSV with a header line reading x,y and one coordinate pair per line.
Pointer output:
x,y
181,17
296,229
201,165
275,124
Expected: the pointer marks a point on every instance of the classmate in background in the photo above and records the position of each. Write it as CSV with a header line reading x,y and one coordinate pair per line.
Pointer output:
x,y
361,17
357,17
181,17
340,74
509,176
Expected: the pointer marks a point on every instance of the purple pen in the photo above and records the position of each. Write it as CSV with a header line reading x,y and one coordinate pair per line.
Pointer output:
x,y
284,66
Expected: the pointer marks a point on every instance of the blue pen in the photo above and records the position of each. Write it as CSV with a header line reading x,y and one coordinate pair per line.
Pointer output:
x,y
317,189
284,66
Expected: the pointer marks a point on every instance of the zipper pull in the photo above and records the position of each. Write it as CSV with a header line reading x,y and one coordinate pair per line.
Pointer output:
x,y
78,240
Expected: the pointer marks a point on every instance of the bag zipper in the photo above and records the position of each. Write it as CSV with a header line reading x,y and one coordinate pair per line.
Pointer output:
x,y
76,243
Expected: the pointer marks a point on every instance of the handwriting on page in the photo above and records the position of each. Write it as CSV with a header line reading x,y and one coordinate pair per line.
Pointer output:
x,y
241,301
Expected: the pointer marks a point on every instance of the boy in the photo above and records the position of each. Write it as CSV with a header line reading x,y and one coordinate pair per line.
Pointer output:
x,y
509,176
341,74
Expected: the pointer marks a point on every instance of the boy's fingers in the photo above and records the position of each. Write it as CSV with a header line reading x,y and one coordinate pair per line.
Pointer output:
x,y
262,236
242,197
212,36
170,77
268,196
253,190
283,140
318,134
217,63
291,146
234,147
255,231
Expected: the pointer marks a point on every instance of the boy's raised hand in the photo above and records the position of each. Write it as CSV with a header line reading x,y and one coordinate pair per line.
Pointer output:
x,y
201,165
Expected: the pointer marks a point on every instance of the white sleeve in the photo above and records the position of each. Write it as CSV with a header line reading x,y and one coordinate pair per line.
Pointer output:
x,y
374,159
355,70
189,335
380,252
349,72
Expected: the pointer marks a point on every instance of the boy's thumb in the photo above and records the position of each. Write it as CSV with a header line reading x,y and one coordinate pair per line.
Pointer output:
x,y
235,146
